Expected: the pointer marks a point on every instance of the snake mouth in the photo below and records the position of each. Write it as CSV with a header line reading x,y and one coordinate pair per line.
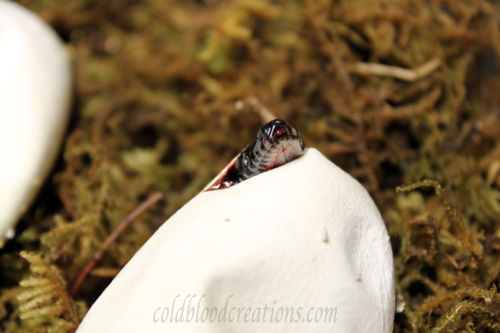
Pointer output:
x,y
276,144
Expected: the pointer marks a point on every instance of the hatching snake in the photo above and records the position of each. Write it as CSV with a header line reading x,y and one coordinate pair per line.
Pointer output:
x,y
277,143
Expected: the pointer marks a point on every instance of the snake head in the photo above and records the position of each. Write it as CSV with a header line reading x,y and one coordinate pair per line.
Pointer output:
x,y
277,143
278,130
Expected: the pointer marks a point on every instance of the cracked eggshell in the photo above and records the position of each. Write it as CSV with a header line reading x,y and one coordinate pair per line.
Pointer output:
x,y
303,235
35,91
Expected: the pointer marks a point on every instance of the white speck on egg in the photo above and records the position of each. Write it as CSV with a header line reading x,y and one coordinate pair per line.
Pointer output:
x,y
10,233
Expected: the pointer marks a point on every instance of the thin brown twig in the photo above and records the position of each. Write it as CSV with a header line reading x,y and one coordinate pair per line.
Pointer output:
x,y
154,198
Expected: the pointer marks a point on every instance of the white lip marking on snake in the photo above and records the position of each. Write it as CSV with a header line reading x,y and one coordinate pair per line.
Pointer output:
x,y
277,143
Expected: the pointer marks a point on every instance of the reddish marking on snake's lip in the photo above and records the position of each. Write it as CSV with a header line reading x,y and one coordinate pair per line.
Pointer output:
x,y
268,168
283,149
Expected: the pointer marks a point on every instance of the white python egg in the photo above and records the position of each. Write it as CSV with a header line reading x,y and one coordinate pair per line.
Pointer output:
x,y
35,90
300,248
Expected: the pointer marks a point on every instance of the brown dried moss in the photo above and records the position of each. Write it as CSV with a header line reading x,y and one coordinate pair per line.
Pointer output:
x,y
156,84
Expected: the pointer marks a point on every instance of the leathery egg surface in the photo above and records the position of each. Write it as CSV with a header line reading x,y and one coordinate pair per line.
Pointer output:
x,y
35,90
300,248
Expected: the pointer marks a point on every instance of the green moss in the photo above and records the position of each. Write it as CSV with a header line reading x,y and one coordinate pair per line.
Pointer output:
x,y
156,84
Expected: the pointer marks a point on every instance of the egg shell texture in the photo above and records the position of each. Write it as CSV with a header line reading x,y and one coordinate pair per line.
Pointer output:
x,y
35,89
303,235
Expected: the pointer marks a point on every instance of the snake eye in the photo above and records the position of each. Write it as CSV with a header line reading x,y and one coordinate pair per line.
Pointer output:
x,y
279,132
246,162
